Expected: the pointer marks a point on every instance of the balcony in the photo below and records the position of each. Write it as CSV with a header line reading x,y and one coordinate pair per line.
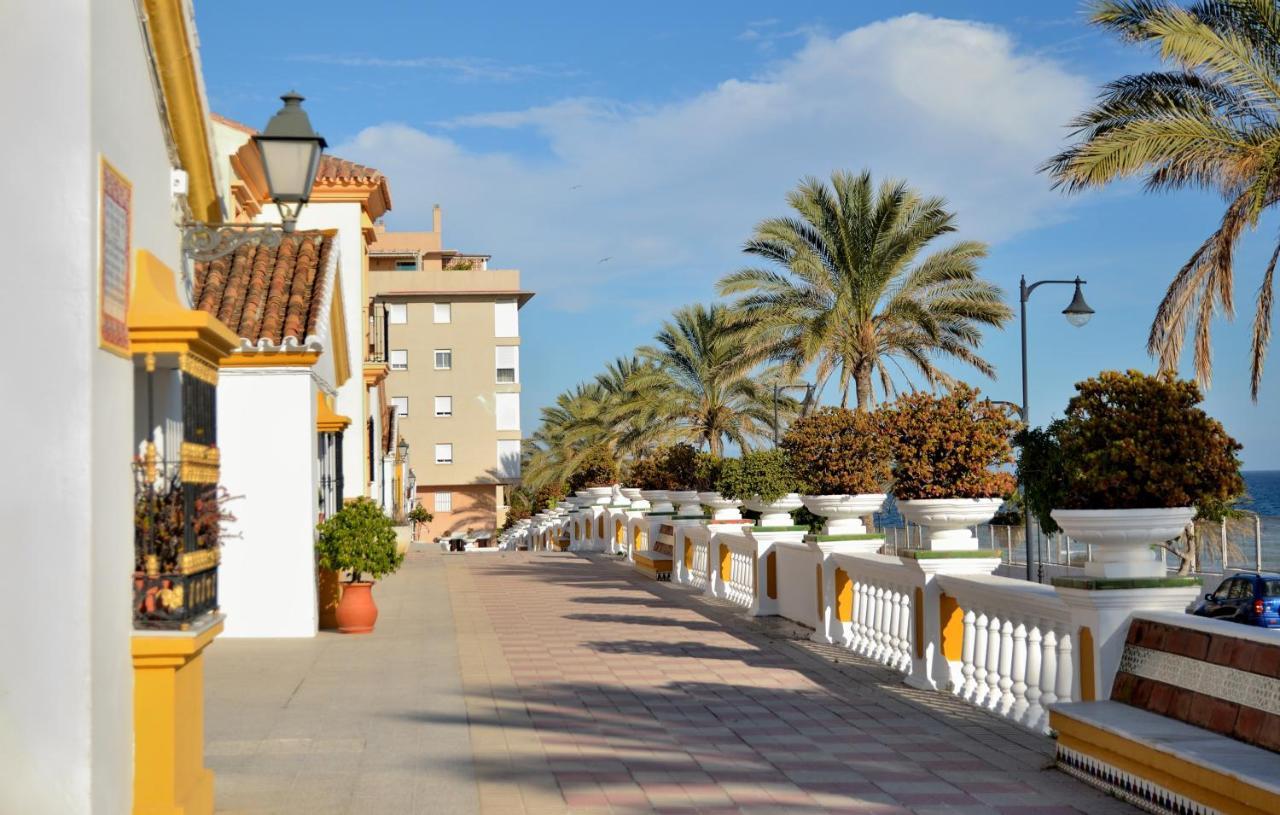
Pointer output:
x,y
376,340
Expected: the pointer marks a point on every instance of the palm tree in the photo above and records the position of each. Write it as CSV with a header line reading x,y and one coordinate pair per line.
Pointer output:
x,y
1212,120
849,290
705,386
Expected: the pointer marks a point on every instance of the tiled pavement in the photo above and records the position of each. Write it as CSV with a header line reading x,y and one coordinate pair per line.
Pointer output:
x,y
582,687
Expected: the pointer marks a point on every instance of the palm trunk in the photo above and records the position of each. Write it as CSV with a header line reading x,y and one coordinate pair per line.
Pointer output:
x,y
862,385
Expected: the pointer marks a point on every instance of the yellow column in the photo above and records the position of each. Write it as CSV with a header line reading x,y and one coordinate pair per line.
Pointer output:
x,y
169,776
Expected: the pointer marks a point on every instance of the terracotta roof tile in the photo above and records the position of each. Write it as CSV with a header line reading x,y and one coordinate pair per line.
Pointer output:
x,y
265,293
333,168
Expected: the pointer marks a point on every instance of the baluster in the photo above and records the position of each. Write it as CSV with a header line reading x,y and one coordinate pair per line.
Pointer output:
x,y
980,660
1019,676
992,701
856,615
1034,711
890,656
869,640
1006,668
1066,669
880,620
1049,669
965,686
904,633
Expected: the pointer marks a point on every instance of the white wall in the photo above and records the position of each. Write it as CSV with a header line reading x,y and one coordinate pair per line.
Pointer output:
x,y
798,584
266,430
73,85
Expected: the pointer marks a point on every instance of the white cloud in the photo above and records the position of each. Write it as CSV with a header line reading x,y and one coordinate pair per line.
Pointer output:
x,y
462,68
670,191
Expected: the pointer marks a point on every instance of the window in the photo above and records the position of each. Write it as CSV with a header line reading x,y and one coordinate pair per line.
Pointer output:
x,y
444,502
443,312
406,265
399,360
507,364
509,458
1241,589
397,313
506,318
444,405
402,405
506,409
444,359
444,454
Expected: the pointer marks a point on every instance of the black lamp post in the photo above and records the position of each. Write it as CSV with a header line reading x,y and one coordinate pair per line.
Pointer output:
x,y
1077,313
290,151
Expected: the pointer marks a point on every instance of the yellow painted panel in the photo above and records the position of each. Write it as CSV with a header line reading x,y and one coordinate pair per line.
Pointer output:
x,y
726,563
688,553
1088,689
844,597
951,624
771,575
821,603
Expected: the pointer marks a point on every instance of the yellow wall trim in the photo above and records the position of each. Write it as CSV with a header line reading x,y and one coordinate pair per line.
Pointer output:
x,y
338,335
951,624
171,42
1186,778
159,323
271,359
844,597
1088,687
328,420
771,575
374,373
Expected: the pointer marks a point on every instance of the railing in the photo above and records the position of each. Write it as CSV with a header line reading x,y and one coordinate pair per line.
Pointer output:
x,y
1016,653
874,596
378,339
696,573
735,569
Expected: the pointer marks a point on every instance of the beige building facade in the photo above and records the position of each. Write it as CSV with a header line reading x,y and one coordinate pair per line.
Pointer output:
x,y
451,330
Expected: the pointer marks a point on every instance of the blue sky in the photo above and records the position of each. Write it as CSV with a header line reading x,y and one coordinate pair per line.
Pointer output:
x,y
656,135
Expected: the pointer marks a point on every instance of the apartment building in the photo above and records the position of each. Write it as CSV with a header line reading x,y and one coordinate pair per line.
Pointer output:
x,y
451,335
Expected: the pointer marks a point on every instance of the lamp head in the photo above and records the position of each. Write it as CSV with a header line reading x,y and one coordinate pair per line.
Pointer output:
x,y
1078,312
290,152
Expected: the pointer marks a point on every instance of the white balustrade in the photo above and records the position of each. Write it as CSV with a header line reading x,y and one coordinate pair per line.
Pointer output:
x,y
734,579
881,623
1016,654
696,574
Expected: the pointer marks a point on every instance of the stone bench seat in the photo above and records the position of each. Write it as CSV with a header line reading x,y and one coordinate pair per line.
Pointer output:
x,y
1146,758
1192,724
654,563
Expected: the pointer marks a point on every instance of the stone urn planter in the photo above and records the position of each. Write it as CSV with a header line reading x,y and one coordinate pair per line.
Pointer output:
x,y
600,496
722,509
659,500
776,512
844,512
1122,538
948,519
687,504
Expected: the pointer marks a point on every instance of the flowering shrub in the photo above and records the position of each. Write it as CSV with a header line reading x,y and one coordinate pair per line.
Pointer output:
x,y
597,468
548,496
1132,441
669,468
359,539
948,446
837,451
763,473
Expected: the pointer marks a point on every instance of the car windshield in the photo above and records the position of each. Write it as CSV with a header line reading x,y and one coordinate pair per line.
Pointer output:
x,y
1271,588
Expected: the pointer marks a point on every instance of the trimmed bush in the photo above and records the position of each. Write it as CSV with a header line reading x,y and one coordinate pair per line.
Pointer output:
x,y
763,473
1132,441
359,539
837,451
597,468
949,446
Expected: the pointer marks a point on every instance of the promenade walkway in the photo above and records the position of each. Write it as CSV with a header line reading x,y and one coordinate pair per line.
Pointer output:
x,y
552,683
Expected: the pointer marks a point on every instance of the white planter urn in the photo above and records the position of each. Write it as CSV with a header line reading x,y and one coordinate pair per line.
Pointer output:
x,y
600,495
776,512
1122,538
687,504
844,512
948,519
722,509
659,500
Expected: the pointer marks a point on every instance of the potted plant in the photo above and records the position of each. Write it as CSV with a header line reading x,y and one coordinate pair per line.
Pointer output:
x,y
360,540
1129,466
595,475
842,458
762,479
945,453
419,515
680,463
706,481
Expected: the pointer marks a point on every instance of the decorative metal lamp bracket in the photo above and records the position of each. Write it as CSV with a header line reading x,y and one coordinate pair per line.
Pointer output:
x,y
208,241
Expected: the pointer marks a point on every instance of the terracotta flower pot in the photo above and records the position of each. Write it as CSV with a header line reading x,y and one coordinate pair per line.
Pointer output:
x,y
356,610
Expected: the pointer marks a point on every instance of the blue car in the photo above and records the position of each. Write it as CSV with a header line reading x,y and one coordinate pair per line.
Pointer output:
x,y
1252,598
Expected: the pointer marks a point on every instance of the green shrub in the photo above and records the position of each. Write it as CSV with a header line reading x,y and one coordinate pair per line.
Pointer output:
x,y
837,451
948,446
647,474
419,514
706,472
680,464
548,496
763,473
1132,441
359,539
598,467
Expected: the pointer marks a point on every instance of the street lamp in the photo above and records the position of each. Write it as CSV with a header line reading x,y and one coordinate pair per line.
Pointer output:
x,y
403,449
777,391
1078,313
290,151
